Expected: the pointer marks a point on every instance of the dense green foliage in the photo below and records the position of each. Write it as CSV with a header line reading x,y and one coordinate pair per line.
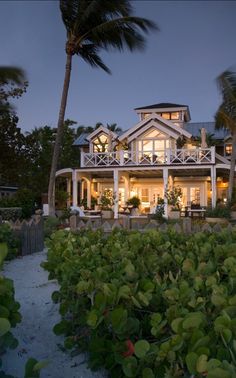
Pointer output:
x,y
9,309
13,243
220,211
158,304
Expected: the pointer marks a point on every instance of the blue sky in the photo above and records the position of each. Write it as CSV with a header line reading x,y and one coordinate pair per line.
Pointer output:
x,y
195,44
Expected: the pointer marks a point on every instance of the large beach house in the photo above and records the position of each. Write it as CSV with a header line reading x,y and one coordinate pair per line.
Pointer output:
x,y
158,152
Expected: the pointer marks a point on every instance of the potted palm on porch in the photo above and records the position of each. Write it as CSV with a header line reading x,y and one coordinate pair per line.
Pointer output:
x,y
174,201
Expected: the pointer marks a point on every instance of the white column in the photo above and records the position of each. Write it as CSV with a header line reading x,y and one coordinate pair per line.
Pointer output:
x,y
68,189
213,187
116,193
88,193
74,189
165,183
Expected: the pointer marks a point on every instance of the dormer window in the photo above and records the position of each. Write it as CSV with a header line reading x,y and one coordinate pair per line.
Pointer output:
x,y
100,143
170,115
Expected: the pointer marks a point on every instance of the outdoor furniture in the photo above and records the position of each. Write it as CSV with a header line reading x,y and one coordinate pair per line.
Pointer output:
x,y
201,213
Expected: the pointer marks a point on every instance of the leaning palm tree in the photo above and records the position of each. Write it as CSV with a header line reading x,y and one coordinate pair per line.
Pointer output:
x,y
114,128
226,116
93,25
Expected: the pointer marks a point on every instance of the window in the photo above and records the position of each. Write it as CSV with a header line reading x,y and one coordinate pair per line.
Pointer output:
x,y
171,115
195,195
144,195
165,115
228,149
100,144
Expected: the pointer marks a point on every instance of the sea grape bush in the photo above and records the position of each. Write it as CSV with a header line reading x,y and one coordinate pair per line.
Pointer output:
x,y
153,304
9,309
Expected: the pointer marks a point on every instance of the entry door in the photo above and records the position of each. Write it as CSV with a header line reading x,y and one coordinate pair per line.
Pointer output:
x,y
156,192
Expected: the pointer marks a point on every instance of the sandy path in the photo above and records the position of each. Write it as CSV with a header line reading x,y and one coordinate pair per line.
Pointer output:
x,y
39,315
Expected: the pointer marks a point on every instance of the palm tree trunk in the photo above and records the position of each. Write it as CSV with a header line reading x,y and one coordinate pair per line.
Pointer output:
x,y
60,127
232,167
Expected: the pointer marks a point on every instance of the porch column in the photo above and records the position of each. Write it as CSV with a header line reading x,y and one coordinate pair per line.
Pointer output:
x,y
68,189
213,187
165,184
116,193
88,193
82,189
74,189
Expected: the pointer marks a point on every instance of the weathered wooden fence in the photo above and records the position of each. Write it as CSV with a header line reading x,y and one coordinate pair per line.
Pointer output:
x,y
185,225
30,234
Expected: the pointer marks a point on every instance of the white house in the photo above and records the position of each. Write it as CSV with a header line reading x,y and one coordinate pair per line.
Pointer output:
x,y
156,153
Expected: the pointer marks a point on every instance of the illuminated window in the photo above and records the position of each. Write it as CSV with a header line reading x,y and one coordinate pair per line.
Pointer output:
x,y
228,149
145,195
195,195
175,115
100,144
145,115
165,115
172,115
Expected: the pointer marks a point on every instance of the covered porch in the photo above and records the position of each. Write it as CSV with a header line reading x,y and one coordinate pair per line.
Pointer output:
x,y
85,186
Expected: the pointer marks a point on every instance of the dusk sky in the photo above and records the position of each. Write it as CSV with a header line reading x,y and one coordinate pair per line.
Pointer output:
x,y
195,44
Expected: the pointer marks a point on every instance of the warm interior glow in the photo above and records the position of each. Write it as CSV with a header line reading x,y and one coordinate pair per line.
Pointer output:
x,y
100,144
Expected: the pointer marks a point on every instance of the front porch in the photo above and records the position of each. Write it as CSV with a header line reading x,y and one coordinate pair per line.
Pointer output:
x,y
198,184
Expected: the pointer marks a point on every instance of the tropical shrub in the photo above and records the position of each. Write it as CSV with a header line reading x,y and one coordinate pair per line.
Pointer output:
x,y
13,243
220,211
134,201
107,200
50,225
10,213
158,304
9,309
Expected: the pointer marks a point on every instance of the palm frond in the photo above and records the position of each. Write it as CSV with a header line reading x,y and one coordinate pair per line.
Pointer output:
x,y
12,74
89,53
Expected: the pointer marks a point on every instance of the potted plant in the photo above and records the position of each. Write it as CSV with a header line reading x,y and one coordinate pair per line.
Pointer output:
x,y
107,201
174,200
135,203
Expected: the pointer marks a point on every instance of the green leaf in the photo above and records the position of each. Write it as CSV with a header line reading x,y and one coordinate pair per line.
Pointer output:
x,y
3,252
191,361
192,320
5,326
202,363
29,369
4,312
123,292
147,373
129,366
218,373
41,364
175,325
212,364
218,300
141,348
92,319
119,319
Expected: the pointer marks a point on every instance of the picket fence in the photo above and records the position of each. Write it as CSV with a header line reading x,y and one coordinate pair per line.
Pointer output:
x,y
186,225
30,234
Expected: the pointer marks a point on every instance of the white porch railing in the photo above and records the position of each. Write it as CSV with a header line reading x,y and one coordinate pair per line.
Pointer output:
x,y
149,158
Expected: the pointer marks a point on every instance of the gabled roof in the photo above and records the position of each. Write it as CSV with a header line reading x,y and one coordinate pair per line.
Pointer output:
x,y
162,105
99,130
158,119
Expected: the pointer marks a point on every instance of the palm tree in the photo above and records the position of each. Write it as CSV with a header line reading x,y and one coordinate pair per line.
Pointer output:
x,y
114,128
92,26
226,116
12,84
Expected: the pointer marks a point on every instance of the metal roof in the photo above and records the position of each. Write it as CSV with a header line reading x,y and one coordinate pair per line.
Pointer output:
x,y
81,140
195,127
161,105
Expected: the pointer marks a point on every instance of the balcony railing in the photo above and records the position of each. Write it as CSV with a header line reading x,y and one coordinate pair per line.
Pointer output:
x,y
149,158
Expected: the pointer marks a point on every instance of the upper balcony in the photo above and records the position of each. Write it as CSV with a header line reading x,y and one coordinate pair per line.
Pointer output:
x,y
125,158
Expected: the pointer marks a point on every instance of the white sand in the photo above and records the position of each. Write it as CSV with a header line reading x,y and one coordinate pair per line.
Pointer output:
x,y
39,315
